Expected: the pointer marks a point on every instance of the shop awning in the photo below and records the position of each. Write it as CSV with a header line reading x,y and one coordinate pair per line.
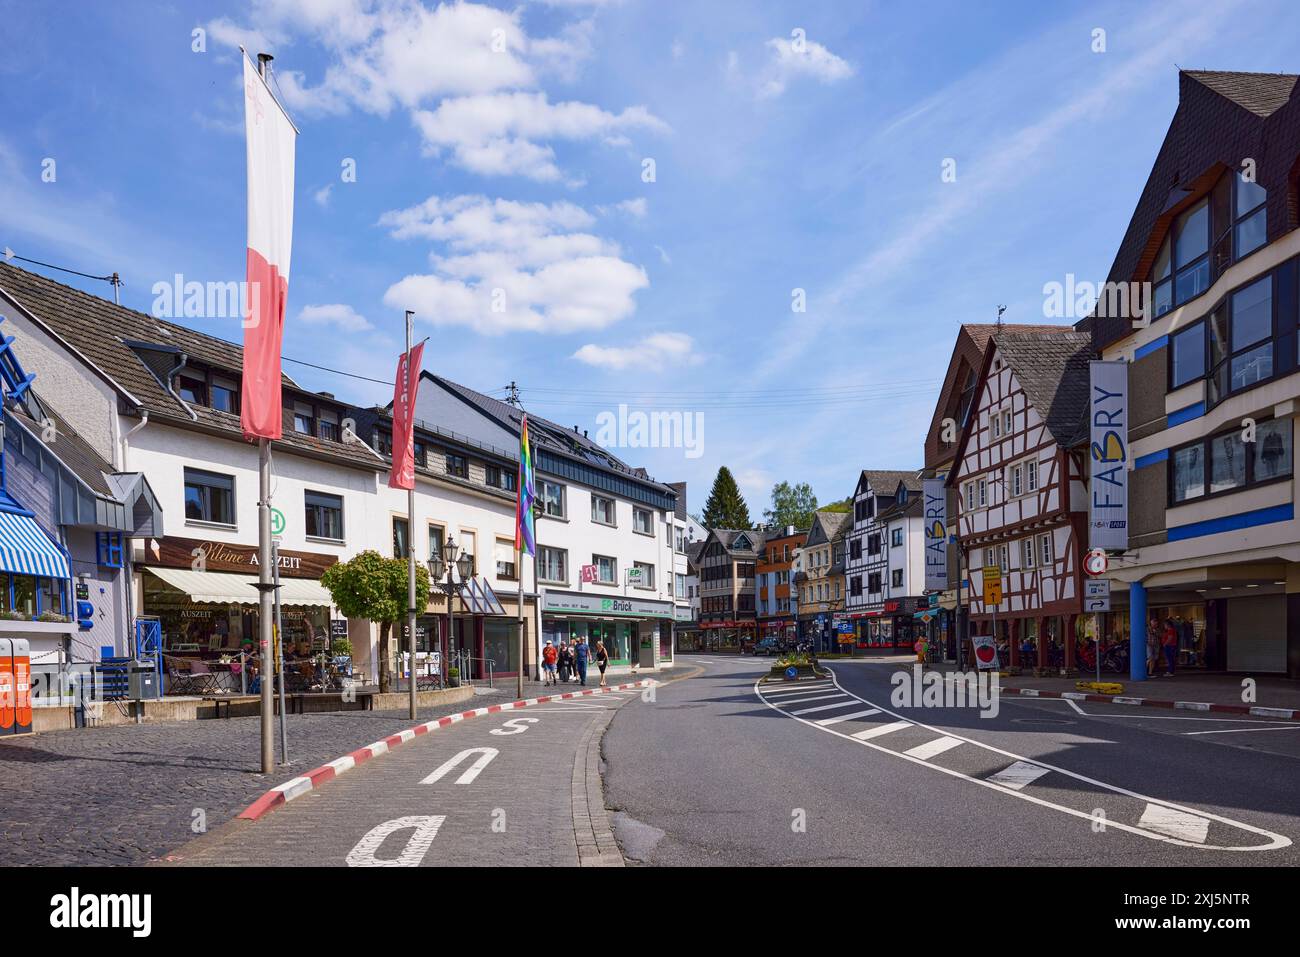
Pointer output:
x,y
227,588
26,550
479,598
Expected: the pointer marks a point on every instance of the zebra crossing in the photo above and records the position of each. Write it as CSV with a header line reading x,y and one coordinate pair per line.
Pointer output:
x,y
825,706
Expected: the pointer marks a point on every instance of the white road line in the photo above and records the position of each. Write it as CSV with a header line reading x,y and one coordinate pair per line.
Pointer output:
x,y
826,722
1166,820
817,697
822,686
1275,841
1071,703
824,707
1280,727
1018,775
881,730
933,748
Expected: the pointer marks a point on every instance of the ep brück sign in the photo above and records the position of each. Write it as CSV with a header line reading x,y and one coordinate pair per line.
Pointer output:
x,y
1108,455
936,534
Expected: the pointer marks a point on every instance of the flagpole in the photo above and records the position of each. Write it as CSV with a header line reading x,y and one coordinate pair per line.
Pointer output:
x,y
410,524
264,584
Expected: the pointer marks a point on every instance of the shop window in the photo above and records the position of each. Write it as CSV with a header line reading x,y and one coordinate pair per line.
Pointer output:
x,y
209,497
49,596
24,595
1187,476
552,564
324,515
1233,463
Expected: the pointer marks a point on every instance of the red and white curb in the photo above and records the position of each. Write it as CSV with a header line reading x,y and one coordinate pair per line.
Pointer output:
x,y
296,787
1288,714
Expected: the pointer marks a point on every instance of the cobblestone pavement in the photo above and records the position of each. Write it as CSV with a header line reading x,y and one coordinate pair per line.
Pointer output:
x,y
515,788
127,794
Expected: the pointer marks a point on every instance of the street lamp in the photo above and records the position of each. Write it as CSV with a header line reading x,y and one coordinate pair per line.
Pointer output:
x,y
441,568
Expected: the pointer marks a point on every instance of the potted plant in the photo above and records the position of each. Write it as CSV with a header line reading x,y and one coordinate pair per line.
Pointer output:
x,y
453,677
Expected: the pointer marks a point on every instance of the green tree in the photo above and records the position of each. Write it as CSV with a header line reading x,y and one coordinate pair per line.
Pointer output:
x,y
373,587
791,505
726,507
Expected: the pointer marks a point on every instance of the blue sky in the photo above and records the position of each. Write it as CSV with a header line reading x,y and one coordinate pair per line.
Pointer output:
x,y
795,146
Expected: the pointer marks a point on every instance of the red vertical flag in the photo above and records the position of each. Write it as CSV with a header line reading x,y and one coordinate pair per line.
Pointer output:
x,y
271,140
402,474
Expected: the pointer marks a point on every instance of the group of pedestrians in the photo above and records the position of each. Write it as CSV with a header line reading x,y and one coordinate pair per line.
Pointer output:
x,y
569,661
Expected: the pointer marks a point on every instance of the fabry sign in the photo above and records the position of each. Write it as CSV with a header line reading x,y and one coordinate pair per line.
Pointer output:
x,y
936,534
1108,455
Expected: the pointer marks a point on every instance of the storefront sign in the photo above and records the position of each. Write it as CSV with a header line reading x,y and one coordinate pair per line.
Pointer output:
x,y
1108,455
199,555
986,652
589,604
681,613
936,534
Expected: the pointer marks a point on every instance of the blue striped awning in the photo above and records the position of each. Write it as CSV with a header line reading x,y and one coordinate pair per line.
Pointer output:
x,y
26,550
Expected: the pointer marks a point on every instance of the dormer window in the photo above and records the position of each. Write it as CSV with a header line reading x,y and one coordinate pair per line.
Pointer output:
x,y
328,423
193,390
225,395
304,419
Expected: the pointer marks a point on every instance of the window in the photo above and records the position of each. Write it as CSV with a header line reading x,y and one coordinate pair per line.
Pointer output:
x,y
997,425
643,521
681,586
552,496
469,546
1045,550
606,569
552,564
1017,479
1250,229
324,515
1270,456
896,578
505,558
679,541
457,465
225,395
1191,252
1187,477
1006,422
896,537
855,550
1004,553
209,497
1187,356
855,586
1031,475
304,419
401,538
1233,464
419,453
502,478
970,496
1252,323
602,510
436,537
192,389
1227,462
983,493
873,582
328,426
1026,553
383,442
647,574
873,544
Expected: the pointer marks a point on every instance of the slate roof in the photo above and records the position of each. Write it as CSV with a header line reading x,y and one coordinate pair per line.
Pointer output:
x,y
1261,93
727,536
125,346
885,482
911,507
68,446
1053,371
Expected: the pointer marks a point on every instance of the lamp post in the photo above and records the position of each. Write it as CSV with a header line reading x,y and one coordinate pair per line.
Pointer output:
x,y
441,568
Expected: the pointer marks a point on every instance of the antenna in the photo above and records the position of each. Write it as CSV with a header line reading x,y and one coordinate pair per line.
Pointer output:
x,y
115,279
1001,309
512,395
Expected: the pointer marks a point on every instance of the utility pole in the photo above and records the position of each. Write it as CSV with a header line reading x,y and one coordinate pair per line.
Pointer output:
x,y
410,525
265,586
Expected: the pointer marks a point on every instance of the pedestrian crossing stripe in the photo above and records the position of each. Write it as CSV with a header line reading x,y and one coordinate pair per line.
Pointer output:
x,y
933,748
1175,823
882,729
827,722
1019,775
822,707
816,697
802,689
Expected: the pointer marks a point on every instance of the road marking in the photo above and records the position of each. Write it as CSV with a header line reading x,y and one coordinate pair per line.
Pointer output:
x,y
516,726
1275,841
1073,705
1018,775
822,707
473,771
1280,727
882,729
425,830
826,722
1166,820
933,748
817,697
821,686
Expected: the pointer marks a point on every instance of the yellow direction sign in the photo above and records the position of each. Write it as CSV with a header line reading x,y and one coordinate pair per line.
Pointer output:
x,y
992,576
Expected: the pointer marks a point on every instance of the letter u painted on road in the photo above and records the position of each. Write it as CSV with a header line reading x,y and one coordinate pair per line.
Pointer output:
x,y
425,828
485,758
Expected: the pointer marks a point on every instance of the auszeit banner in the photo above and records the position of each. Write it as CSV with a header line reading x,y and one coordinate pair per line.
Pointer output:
x,y
1108,455
936,534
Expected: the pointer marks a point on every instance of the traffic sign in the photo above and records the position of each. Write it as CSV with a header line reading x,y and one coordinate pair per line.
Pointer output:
x,y
1096,562
1096,595
277,522
992,576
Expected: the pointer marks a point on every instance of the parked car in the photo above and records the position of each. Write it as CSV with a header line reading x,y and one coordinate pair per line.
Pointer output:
x,y
767,646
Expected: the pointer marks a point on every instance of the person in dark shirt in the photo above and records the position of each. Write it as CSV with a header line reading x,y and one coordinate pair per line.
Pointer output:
x,y
580,660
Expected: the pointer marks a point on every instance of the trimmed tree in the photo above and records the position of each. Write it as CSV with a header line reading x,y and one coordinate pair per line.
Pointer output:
x,y
792,505
373,587
726,507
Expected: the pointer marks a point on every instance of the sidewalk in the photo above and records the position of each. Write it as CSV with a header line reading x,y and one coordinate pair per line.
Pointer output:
x,y
1221,692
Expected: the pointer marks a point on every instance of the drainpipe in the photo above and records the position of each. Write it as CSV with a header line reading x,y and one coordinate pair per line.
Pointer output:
x,y
126,439
171,390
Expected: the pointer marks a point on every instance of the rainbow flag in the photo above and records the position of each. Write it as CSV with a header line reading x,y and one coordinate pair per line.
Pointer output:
x,y
527,494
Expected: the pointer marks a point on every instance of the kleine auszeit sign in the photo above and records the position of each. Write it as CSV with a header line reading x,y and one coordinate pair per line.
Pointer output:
x,y
1108,455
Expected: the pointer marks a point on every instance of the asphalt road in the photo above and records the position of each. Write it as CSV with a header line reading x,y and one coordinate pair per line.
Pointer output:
x,y
716,771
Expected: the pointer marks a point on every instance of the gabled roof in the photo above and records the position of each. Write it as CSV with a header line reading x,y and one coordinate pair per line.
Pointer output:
x,y
727,538
912,506
884,481
1222,118
827,526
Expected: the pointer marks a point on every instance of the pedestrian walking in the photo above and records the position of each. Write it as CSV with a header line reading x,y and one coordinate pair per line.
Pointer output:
x,y
549,657
566,662
1153,645
602,660
580,660
1170,645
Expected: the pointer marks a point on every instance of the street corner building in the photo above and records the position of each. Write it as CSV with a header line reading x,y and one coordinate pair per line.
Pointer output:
x,y
1213,545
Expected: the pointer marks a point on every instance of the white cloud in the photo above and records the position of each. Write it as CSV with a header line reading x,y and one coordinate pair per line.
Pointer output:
x,y
636,208
653,352
789,58
494,134
506,265
322,195
342,317
663,256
